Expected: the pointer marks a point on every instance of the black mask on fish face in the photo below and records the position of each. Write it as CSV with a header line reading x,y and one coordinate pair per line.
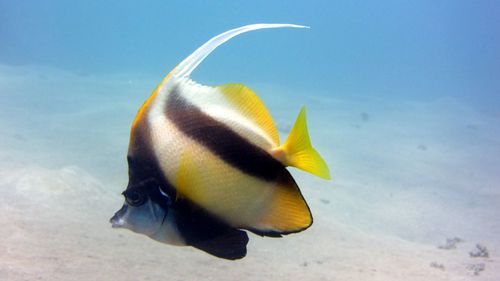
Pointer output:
x,y
140,209
145,209
146,182
146,205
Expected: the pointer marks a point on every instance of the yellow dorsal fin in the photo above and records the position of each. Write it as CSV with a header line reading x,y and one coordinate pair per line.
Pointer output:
x,y
252,107
298,152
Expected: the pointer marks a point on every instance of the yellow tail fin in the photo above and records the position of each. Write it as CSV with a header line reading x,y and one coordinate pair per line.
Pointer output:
x,y
298,152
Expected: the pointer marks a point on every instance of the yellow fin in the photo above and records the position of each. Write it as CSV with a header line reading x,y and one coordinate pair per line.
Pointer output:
x,y
251,106
287,210
298,152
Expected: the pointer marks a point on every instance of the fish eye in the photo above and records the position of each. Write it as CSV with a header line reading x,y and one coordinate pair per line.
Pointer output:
x,y
134,198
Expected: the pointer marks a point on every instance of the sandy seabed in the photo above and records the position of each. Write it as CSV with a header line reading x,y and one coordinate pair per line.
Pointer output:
x,y
407,175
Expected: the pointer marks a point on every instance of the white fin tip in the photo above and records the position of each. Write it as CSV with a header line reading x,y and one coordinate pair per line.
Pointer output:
x,y
190,63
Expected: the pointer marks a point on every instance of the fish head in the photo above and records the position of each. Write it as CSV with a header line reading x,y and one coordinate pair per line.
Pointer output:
x,y
145,219
147,203
146,206
142,212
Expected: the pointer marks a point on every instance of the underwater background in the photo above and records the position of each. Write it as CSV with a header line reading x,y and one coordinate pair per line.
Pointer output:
x,y
403,103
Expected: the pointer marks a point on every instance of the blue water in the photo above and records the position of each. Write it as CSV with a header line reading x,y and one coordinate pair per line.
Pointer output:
x,y
394,48
403,100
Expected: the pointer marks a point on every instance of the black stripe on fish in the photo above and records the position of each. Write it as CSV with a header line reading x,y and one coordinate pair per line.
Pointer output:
x,y
221,139
143,166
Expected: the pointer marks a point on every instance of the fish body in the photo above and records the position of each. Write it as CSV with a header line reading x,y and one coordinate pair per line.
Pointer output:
x,y
206,163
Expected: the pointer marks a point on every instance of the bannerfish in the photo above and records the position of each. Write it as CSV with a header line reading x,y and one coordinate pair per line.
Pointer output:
x,y
205,164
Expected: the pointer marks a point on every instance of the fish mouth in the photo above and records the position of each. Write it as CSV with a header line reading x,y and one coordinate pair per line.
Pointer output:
x,y
117,220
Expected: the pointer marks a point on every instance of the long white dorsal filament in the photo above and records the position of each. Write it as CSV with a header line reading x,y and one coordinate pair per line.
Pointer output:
x,y
186,67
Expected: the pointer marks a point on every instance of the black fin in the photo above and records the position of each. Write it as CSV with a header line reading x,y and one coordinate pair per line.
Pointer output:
x,y
208,233
231,246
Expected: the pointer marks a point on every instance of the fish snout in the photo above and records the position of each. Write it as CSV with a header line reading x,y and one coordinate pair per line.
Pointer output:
x,y
117,220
